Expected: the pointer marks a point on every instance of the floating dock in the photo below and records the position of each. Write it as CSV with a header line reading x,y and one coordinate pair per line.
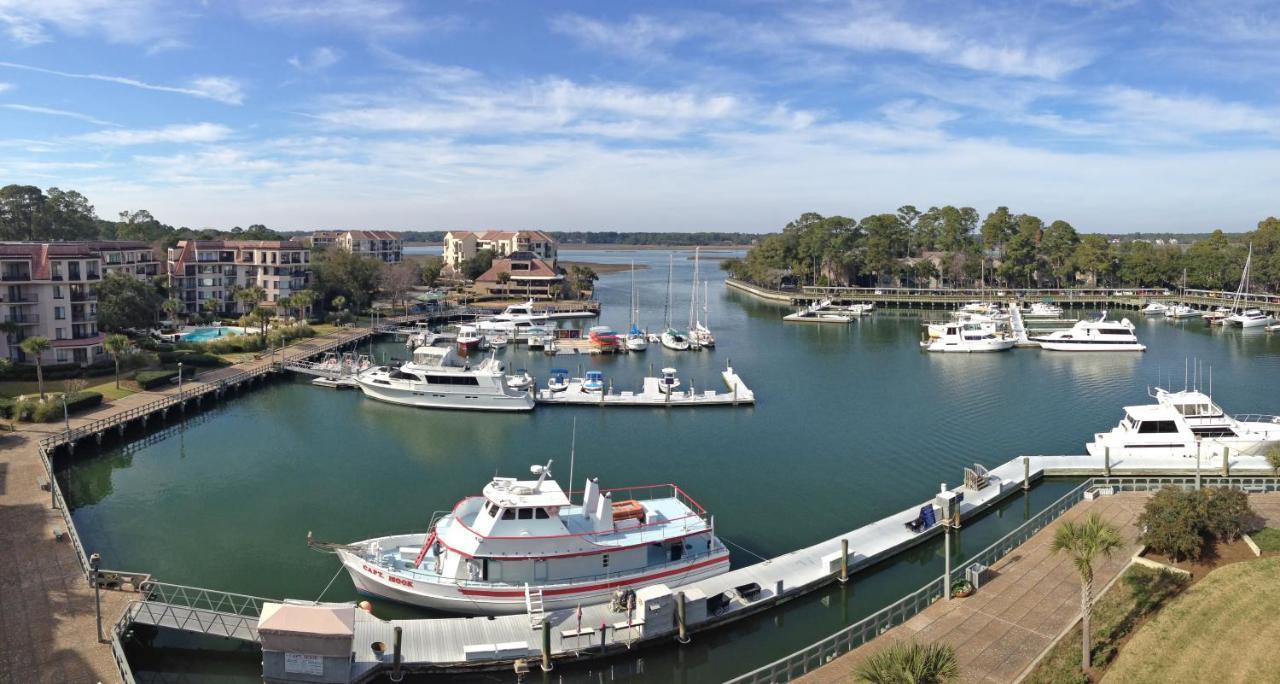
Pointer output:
x,y
651,395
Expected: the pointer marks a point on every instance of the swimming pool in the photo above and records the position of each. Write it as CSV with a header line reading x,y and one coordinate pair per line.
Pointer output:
x,y
207,333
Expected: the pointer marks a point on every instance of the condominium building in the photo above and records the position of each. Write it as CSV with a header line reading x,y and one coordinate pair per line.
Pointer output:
x,y
526,276
203,270
128,256
384,245
460,245
50,290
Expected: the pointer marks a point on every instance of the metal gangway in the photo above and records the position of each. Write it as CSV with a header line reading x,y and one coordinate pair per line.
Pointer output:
x,y
331,366
192,609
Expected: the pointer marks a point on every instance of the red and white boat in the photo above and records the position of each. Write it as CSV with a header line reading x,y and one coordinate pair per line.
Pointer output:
x,y
524,543
469,338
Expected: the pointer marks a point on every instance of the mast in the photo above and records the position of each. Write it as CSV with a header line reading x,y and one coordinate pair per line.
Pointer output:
x,y
666,309
693,292
1244,281
633,298
706,314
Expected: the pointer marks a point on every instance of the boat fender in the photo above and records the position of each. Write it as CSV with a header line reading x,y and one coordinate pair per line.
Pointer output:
x,y
366,607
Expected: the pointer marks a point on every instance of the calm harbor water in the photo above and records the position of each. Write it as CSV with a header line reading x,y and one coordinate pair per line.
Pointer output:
x,y
852,423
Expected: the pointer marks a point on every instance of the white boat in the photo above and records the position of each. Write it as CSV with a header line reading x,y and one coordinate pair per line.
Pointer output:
x,y
1154,309
936,330
675,339
668,382
981,307
636,339
1042,310
594,382
1180,311
520,380
1218,316
469,338
523,543
537,341
437,378
1177,421
497,341
699,332
522,313
1094,336
559,380
968,337
1251,318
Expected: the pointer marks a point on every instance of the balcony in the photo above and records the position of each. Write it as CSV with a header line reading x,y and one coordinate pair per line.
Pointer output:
x,y
93,275
82,317
13,276
22,319
83,296
18,298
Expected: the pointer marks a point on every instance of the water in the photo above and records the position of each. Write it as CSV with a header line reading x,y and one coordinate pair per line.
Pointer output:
x,y
852,423
206,333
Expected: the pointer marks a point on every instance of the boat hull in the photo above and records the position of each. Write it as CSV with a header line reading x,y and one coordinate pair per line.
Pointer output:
x,y
1089,346
444,399
970,347
1250,322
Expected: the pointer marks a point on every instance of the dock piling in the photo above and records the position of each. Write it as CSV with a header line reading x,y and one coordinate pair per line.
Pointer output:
x,y
546,644
1026,473
946,560
682,633
396,673
1226,462
1106,461
94,559
844,561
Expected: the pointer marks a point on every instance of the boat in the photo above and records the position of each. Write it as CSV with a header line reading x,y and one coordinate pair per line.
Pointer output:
x,y
671,338
520,380
636,340
437,378
469,338
594,382
559,380
521,313
814,314
1042,310
527,542
936,330
1094,336
1181,424
538,341
1247,318
1181,309
1274,327
968,337
1218,316
1154,309
668,382
603,338
497,341
699,332
981,307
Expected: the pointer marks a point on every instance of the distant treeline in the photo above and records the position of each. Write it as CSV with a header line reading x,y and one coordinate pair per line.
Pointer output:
x,y
613,237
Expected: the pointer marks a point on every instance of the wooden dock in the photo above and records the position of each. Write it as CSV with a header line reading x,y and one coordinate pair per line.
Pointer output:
x,y
652,396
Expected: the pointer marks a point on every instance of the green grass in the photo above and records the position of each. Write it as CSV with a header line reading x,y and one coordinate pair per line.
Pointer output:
x,y
1140,592
1268,539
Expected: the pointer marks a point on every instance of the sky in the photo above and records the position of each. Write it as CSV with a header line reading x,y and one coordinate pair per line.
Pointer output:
x,y
1114,115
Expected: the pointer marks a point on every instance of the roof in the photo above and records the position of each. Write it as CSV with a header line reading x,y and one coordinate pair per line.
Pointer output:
x,y
538,268
243,244
510,492
292,618
374,234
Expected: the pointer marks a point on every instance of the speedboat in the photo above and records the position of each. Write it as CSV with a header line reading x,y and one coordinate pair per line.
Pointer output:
x,y
1218,316
1179,424
594,382
496,341
436,378
1178,311
1042,310
559,380
469,338
527,542
637,340
668,382
1099,335
1250,318
674,339
968,337
520,380
1154,309
521,313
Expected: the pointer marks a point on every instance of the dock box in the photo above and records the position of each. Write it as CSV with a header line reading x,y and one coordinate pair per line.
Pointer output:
x,y
831,561
306,643
656,608
695,606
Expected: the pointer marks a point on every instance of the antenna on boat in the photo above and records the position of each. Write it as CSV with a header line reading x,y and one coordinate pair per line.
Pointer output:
x,y
573,443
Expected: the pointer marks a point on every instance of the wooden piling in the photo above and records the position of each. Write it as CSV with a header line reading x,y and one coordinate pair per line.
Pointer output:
x,y
546,644
844,561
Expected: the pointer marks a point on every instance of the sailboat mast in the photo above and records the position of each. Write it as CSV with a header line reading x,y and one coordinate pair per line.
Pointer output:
x,y
1244,280
693,293
666,310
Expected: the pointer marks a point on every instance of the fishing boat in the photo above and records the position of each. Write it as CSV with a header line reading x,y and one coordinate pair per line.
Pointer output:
x,y
636,340
1093,336
669,381
1183,424
520,380
559,380
525,542
437,378
469,338
968,337
594,382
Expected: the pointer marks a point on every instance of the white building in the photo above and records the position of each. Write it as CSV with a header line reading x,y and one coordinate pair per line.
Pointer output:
x,y
460,245
215,269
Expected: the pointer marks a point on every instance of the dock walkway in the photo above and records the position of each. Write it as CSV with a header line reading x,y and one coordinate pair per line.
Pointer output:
x,y
652,396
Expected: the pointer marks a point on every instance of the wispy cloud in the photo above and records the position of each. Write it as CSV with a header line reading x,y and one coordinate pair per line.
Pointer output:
x,y
318,59
638,36
116,21
31,109
178,133
376,18
219,88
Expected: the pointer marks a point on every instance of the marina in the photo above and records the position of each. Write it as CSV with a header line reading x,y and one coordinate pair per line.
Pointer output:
x,y
651,394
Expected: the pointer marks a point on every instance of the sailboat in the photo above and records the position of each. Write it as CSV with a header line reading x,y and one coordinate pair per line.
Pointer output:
x,y
636,339
1247,318
1181,309
698,330
672,338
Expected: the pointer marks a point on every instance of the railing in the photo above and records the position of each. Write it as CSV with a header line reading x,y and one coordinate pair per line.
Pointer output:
x,y
20,298
60,503
29,319
1257,418
197,598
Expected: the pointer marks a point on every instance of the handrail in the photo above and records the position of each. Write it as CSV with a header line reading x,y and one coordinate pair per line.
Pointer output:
x,y
419,575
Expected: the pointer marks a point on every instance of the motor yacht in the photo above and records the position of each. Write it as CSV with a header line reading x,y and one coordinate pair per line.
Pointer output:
x,y
968,337
521,313
437,378
1099,335
527,542
1250,318
1177,422
1154,309
1042,310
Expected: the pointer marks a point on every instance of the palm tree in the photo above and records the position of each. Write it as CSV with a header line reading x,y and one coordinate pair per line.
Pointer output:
x,y
116,345
37,346
339,303
1087,541
249,297
908,662
287,304
303,299
211,307
172,307
262,315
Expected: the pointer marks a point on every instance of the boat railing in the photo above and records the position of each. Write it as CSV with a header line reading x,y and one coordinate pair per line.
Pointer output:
x,y
1258,418
688,559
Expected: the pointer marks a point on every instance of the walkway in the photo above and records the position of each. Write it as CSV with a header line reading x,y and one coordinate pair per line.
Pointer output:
x,y
1002,628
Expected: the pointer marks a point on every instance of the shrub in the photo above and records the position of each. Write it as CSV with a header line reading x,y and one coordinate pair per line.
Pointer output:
x,y
152,379
1177,523
6,407
30,408
191,358
1227,513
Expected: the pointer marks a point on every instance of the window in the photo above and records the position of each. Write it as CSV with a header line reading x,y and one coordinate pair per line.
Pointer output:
x,y
59,333
604,560
62,356
57,269
1157,427
525,514
541,514
508,514
493,509
57,292
59,313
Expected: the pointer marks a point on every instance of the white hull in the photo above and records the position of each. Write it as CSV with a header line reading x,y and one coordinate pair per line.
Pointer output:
x,y
1250,322
1090,346
1209,448
970,346
448,398
673,343
637,343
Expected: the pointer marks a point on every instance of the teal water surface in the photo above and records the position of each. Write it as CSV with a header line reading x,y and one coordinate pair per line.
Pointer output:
x,y
852,423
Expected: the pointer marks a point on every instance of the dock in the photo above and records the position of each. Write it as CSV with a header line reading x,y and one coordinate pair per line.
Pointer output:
x,y
652,396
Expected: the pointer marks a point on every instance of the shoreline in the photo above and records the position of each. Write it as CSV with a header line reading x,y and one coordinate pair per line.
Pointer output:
x,y
595,247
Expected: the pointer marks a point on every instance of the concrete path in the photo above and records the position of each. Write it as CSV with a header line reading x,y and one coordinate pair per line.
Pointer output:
x,y
1004,627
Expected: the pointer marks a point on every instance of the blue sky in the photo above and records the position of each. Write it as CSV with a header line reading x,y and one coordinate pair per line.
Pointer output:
x,y
1113,115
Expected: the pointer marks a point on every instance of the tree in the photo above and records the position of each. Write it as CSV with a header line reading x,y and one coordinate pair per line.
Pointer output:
x,y
1087,542
886,241
69,216
477,265
172,307
303,299
36,346
339,272
909,662
399,279
260,315
126,302
997,229
286,304
339,303
116,345
1020,252
212,307
1093,256
250,297
22,212
1273,458
1058,246
430,270
583,277
1171,523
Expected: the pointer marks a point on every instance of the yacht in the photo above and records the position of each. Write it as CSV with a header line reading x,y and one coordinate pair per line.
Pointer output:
x,y
675,339
1177,421
437,378
1218,316
523,543
980,308
468,338
636,339
521,313
1099,335
1042,310
1250,318
1154,309
1179,311
968,337
937,330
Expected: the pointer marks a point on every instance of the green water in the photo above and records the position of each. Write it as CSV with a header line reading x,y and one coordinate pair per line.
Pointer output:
x,y
852,423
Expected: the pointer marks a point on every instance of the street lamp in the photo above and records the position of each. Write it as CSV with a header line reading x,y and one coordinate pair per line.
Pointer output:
x,y
66,415
94,561
179,378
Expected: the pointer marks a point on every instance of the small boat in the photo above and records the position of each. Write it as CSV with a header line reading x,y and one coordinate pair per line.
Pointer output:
x,y
496,341
603,337
520,379
968,337
1042,310
668,382
539,341
594,382
559,380
1179,311
637,340
469,338
1154,309
1093,336
1218,316
980,307
1274,327
675,339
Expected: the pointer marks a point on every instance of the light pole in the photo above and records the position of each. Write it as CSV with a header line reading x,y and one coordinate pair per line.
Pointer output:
x,y
1197,464
94,560
66,415
179,378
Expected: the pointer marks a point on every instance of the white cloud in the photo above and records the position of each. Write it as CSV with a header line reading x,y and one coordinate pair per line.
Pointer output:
x,y
222,89
4,87
55,112
318,59
638,36
135,22
178,133
376,18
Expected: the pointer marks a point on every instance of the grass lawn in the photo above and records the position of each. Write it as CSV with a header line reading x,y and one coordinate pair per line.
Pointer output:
x,y
108,388
1222,629
1268,539
1140,591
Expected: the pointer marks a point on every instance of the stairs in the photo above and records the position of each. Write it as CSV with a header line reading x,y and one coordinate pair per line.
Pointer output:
x,y
533,605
